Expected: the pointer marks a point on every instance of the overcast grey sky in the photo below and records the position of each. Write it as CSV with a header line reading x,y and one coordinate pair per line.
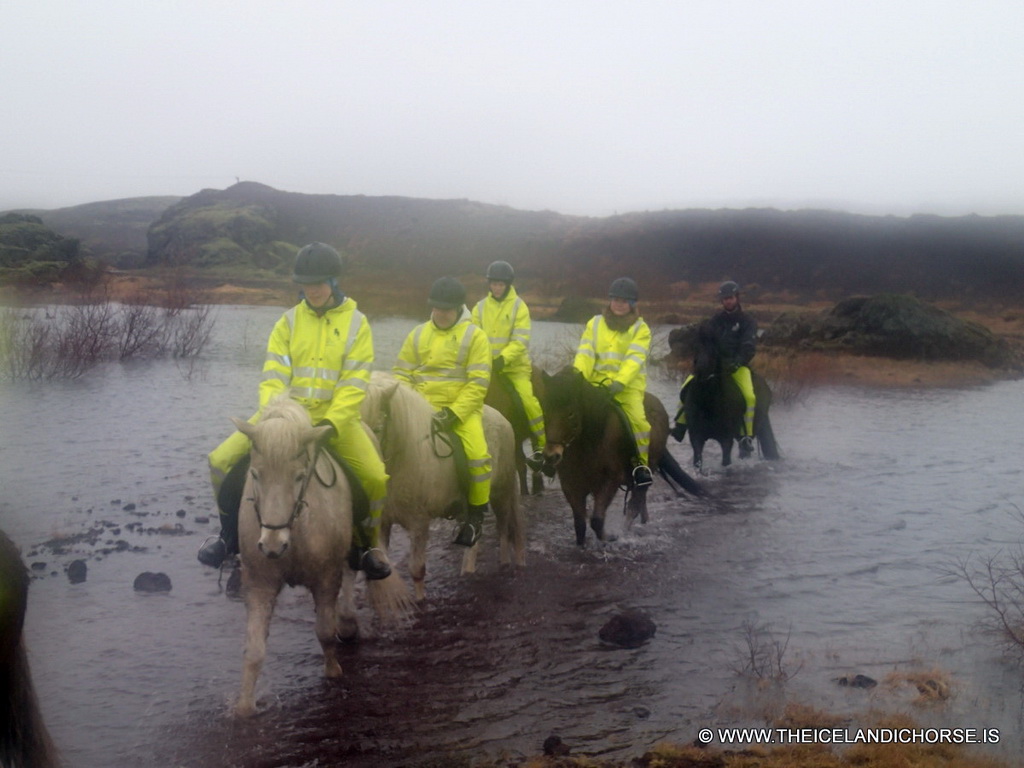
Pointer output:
x,y
580,106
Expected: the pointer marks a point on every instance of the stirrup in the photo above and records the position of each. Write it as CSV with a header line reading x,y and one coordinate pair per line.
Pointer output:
x,y
373,565
642,476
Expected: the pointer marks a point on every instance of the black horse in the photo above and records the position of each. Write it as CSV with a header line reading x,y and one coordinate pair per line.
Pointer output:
x,y
714,405
24,739
591,446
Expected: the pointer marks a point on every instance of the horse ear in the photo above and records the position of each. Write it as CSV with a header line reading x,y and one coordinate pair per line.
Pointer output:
x,y
390,387
315,433
244,427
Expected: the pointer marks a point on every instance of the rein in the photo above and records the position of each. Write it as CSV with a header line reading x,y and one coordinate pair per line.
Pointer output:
x,y
300,501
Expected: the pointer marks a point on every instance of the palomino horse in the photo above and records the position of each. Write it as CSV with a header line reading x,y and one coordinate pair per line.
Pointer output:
x,y
425,485
24,740
501,397
714,405
592,448
295,528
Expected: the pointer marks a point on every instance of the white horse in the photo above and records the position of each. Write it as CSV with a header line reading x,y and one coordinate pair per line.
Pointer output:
x,y
424,486
295,528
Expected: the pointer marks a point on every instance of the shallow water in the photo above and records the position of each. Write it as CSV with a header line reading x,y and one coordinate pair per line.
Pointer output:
x,y
842,549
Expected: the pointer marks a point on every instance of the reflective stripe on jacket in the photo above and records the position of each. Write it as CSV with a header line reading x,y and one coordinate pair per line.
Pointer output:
x,y
605,354
507,325
324,359
450,367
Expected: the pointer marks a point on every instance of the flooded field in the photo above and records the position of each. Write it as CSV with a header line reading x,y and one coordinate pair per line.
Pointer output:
x,y
841,551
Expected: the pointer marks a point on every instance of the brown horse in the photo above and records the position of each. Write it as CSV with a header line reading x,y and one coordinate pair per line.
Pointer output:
x,y
503,398
24,740
592,448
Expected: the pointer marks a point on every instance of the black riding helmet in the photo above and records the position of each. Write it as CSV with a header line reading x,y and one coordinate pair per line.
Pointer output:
x,y
317,263
624,288
447,293
501,271
727,289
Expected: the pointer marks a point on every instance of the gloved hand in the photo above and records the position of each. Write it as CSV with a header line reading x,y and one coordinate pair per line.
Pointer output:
x,y
615,387
445,419
678,432
498,364
733,366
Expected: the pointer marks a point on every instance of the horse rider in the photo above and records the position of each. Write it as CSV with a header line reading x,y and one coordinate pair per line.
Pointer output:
x,y
613,353
322,349
505,318
735,334
448,360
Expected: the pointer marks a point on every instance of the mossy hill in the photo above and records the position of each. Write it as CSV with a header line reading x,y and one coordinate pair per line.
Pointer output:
x,y
252,230
816,253
31,252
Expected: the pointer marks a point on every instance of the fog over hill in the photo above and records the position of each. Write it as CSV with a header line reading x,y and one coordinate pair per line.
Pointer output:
x,y
824,253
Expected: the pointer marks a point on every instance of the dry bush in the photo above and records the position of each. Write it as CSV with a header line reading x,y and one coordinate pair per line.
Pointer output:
x,y
763,655
791,375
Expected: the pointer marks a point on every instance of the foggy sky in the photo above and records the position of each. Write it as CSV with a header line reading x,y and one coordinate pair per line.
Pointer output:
x,y
580,106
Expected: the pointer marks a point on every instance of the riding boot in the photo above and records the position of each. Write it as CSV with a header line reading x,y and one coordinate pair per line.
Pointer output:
x,y
472,526
746,446
535,461
370,560
214,551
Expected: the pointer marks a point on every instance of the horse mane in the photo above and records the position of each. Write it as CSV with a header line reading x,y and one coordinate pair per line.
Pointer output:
x,y
592,403
705,353
283,428
404,405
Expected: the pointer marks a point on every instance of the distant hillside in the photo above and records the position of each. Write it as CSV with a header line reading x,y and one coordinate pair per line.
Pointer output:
x,y
114,230
818,253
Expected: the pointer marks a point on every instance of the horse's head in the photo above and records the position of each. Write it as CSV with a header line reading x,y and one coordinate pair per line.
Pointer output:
x,y
561,399
283,452
705,356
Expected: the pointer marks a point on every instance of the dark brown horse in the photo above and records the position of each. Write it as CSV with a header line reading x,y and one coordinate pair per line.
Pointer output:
x,y
503,398
591,447
24,740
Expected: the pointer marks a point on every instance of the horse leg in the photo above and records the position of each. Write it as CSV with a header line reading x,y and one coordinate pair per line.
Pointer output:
x,y
602,500
259,607
418,537
325,600
726,451
698,452
347,625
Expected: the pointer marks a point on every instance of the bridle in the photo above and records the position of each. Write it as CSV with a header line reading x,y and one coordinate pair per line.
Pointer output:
x,y
300,501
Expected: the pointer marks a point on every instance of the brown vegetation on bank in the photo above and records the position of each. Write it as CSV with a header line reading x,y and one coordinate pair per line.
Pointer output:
x,y
391,295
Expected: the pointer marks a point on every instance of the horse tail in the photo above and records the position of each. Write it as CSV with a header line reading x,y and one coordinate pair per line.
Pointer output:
x,y
766,439
669,469
390,598
24,739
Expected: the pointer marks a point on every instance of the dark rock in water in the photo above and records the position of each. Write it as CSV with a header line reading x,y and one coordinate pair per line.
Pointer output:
x,y
629,629
77,571
38,566
202,519
152,582
857,681
553,745
128,507
181,513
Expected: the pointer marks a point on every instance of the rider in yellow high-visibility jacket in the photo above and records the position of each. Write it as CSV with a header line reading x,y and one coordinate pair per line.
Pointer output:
x,y
505,318
613,353
321,351
448,361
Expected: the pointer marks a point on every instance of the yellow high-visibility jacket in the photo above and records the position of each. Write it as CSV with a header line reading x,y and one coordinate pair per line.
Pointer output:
x,y
450,367
507,325
604,355
325,360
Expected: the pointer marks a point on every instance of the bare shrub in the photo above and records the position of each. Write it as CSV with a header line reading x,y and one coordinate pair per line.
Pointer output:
x,y
999,581
763,656
68,341
791,375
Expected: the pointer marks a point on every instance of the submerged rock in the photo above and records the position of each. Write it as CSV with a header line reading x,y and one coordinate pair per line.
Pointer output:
x,y
629,629
857,681
152,582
